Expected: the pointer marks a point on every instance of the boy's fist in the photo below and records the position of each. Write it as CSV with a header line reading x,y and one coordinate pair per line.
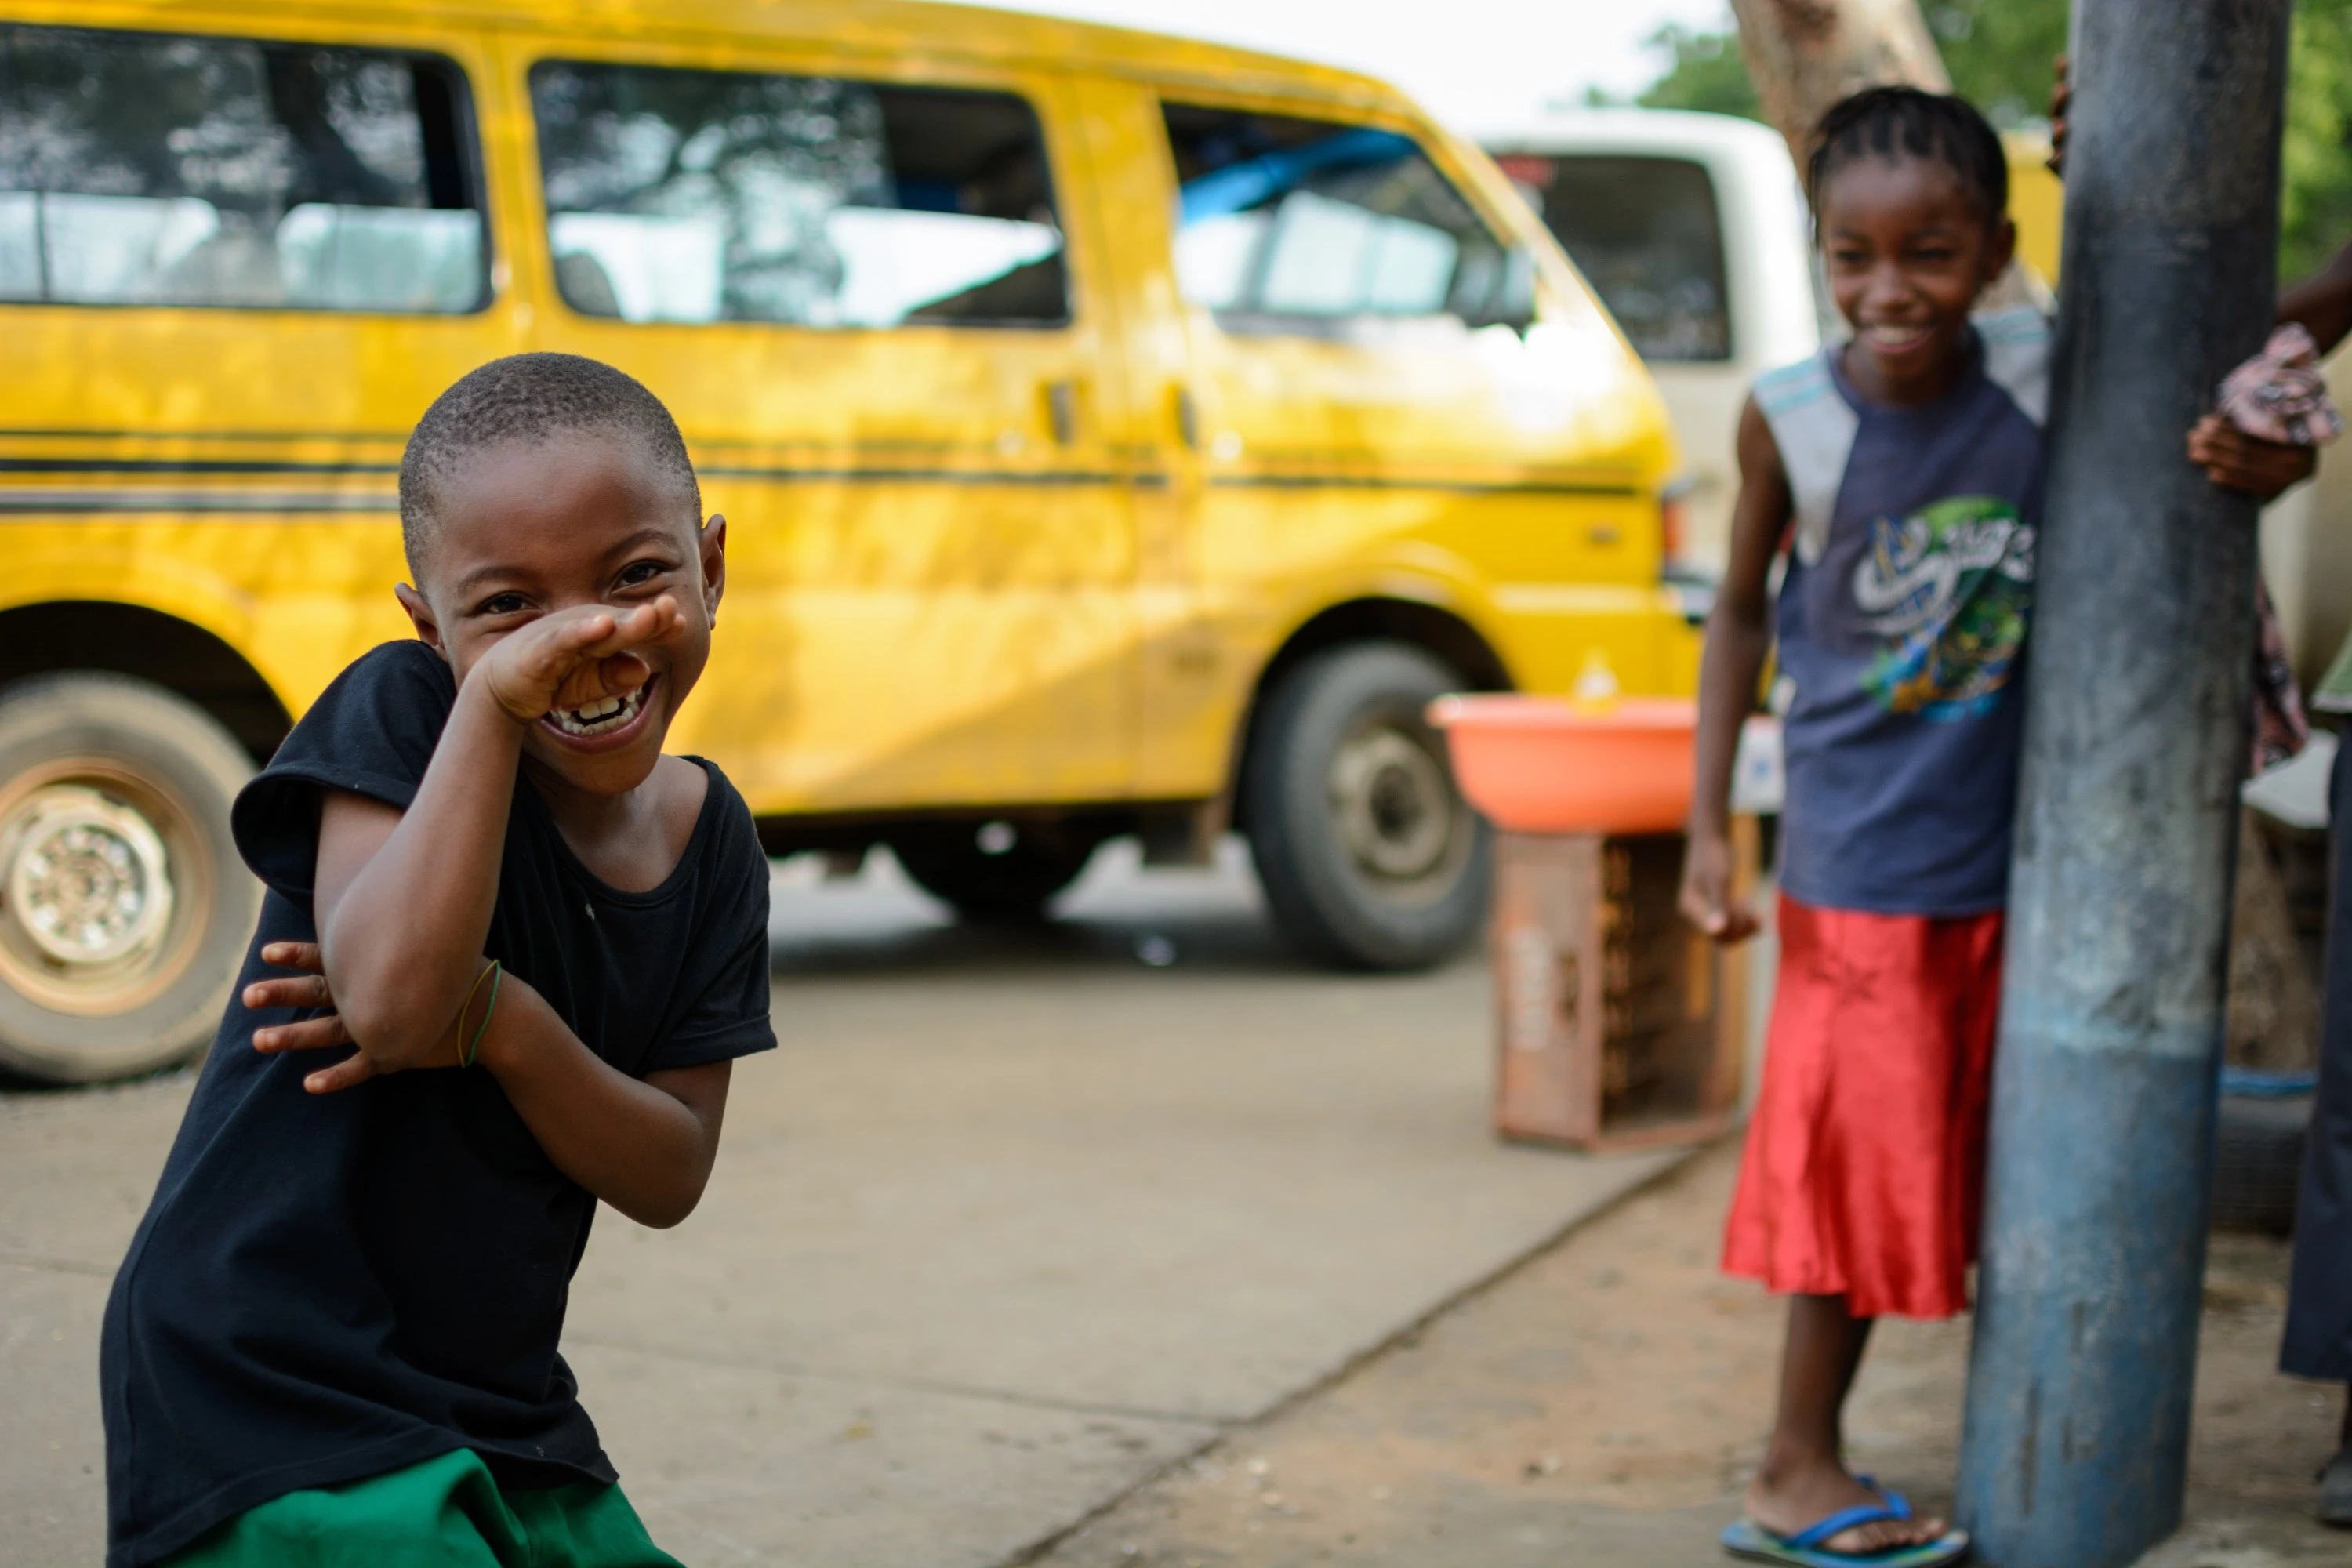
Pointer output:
x,y
1707,900
575,656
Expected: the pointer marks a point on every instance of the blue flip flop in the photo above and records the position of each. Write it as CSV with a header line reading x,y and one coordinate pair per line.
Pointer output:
x,y
1746,1537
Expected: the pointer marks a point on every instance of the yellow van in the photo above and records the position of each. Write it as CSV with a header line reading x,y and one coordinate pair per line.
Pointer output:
x,y
1118,435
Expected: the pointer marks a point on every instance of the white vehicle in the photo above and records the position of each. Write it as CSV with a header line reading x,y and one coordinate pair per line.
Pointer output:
x,y
1692,229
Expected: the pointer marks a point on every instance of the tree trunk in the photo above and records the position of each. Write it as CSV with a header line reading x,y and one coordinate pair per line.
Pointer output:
x,y
1805,55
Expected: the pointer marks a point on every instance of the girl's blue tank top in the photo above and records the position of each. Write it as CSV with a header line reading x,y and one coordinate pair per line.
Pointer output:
x,y
1902,619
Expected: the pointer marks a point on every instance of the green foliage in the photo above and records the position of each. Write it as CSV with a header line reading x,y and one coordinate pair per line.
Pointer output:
x,y
2315,198
1998,53
1707,73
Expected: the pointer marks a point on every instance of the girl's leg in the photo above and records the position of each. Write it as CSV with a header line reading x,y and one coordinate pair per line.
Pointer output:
x,y
1803,1477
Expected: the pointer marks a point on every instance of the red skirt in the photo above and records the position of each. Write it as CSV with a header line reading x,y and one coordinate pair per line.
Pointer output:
x,y
1864,1176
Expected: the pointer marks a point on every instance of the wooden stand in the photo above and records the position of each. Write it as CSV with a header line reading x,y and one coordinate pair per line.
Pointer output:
x,y
1619,1025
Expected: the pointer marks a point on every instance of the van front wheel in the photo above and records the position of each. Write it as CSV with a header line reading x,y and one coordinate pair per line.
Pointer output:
x,y
124,909
1368,853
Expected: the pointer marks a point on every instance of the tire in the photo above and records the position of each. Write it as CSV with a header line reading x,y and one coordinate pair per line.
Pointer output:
x,y
114,801
994,873
1369,855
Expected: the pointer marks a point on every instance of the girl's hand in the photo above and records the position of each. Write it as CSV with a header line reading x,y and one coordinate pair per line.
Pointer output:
x,y
1707,900
308,989
2237,461
575,656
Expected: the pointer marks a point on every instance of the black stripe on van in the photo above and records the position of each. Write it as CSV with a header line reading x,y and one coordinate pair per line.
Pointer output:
x,y
1389,482
23,503
1057,477
184,466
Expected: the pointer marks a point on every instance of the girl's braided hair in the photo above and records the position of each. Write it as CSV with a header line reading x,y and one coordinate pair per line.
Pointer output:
x,y
1900,122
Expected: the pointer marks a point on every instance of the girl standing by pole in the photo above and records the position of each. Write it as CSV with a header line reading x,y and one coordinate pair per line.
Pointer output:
x,y
1895,480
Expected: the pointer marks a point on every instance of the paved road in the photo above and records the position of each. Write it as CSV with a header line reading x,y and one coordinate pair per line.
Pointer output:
x,y
1012,1221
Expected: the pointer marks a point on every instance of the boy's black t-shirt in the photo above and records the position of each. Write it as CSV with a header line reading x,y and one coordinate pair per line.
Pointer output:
x,y
330,1287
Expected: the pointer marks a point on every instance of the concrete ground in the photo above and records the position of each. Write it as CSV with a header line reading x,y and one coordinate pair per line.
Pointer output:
x,y
1606,1404
1011,1223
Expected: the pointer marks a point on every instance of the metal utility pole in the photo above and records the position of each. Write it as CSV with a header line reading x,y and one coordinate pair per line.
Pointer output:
x,y
1805,55
2103,1087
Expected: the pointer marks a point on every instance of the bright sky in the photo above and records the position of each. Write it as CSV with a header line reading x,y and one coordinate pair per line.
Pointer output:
x,y
1475,60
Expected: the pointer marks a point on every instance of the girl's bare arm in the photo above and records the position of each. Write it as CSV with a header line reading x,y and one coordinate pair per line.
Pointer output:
x,y
2322,301
1739,634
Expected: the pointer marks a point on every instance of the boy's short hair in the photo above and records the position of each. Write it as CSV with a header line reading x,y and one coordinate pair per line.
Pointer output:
x,y
530,397
1899,121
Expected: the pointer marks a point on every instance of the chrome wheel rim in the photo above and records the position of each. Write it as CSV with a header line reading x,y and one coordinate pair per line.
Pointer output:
x,y
89,883
104,880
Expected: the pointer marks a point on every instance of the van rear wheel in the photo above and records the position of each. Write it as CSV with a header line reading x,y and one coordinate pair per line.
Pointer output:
x,y
124,909
1368,853
993,872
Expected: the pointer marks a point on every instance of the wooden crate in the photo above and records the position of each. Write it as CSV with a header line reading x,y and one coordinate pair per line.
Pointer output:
x,y
1617,1024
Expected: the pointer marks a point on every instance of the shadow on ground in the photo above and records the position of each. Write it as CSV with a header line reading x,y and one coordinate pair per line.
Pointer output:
x,y
1114,917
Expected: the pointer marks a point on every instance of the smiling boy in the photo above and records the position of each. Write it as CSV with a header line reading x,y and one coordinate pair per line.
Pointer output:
x,y
532,944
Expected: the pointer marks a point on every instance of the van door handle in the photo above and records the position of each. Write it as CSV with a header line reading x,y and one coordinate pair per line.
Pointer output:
x,y
1188,419
1061,411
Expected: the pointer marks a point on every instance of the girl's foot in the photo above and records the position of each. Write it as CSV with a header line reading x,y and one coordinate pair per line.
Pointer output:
x,y
1787,1498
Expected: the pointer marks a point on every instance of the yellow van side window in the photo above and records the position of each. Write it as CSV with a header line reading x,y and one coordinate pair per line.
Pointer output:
x,y
143,169
1295,227
699,196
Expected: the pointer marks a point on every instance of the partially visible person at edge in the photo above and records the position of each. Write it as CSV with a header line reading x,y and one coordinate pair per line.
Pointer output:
x,y
2318,1340
1898,479
525,947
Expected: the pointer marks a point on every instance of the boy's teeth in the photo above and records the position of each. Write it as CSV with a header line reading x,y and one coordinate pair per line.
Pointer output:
x,y
595,717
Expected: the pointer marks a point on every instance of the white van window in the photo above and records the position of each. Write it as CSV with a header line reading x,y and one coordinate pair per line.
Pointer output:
x,y
1292,227
1645,233
140,169
696,195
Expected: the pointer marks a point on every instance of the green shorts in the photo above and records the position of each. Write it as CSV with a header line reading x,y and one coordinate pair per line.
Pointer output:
x,y
447,1512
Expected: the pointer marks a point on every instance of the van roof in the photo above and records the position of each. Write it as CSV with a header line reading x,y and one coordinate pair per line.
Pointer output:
x,y
1583,130
882,26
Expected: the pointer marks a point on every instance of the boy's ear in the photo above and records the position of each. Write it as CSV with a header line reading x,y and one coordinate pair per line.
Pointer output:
x,y
420,615
712,544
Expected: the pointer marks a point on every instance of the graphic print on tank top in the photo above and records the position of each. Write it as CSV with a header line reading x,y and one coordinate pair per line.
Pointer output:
x,y
1903,616
1950,589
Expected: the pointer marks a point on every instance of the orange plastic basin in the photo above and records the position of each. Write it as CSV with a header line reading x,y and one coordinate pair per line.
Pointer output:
x,y
1536,764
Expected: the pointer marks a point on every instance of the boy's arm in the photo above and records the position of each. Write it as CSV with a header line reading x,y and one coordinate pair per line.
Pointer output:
x,y
645,1146
403,898
1737,636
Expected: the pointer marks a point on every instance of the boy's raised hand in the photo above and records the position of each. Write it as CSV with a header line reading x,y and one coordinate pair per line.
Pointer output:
x,y
1706,899
575,656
